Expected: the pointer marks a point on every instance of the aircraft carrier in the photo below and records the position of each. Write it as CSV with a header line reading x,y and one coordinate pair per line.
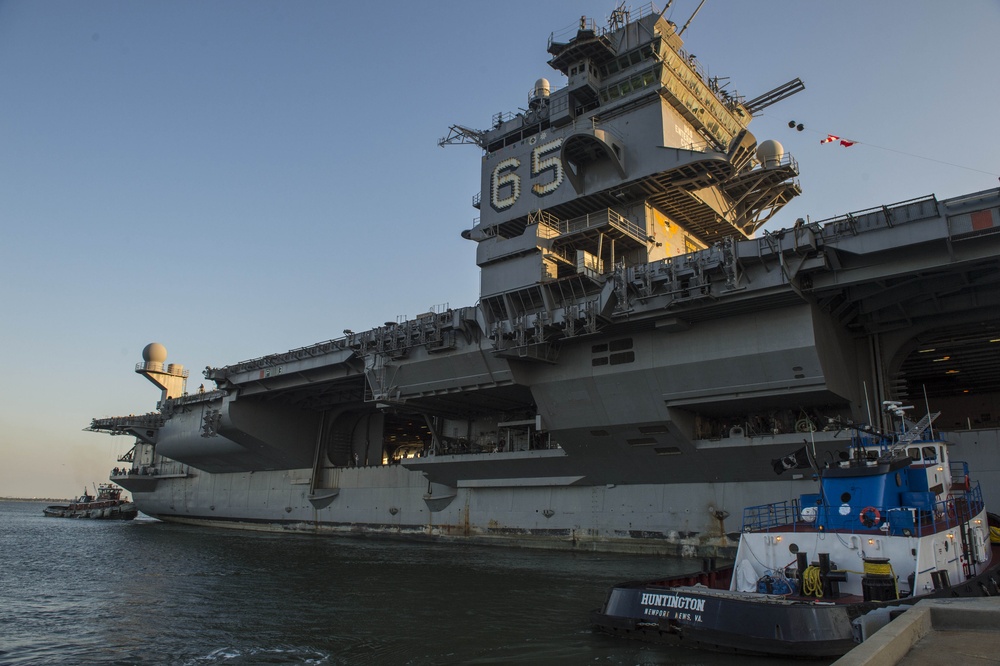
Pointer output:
x,y
643,358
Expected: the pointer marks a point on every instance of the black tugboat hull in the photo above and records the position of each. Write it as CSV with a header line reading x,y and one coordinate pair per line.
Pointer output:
x,y
751,623
738,623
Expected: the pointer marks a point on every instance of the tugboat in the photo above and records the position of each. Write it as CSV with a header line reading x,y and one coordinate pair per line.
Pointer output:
x,y
895,521
108,505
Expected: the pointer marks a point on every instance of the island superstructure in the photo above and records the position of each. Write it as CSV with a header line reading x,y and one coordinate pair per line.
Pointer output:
x,y
637,358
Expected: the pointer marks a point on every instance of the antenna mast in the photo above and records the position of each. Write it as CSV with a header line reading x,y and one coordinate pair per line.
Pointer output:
x,y
691,19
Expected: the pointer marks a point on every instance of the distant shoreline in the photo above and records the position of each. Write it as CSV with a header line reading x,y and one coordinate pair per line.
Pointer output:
x,y
34,499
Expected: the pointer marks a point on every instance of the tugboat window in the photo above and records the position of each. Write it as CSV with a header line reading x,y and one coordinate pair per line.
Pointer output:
x,y
845,498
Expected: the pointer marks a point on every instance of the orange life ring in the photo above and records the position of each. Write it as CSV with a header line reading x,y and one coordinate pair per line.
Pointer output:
x,y
869,516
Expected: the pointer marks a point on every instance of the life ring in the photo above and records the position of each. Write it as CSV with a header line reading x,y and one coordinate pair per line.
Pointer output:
x,y
869,516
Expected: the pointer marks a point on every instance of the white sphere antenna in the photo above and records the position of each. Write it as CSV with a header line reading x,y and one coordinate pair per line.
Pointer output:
x,y
770,153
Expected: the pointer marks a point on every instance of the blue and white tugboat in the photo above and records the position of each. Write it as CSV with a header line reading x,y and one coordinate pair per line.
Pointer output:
x,y
894,521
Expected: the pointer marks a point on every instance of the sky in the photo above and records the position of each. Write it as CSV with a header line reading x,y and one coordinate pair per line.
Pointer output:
x,y
239,178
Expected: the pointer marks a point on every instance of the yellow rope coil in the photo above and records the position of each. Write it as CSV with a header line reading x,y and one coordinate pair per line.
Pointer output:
x,y
812,586
878,569
882,569
995,534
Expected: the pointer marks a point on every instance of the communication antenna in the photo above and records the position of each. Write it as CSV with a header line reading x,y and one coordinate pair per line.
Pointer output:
x,y
665,8
868,405
619,16
691,19
460,134
927,405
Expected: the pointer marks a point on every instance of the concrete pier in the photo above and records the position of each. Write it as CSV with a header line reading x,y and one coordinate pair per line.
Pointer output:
x,y
933,632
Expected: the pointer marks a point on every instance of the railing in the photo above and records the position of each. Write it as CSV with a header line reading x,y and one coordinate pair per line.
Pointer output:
x,y
168,369
880,217
606,217
974,224
568,33
959,472
765,517
160,469
619,17
788,516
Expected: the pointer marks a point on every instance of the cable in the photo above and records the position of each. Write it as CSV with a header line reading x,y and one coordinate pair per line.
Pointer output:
x,y
853,143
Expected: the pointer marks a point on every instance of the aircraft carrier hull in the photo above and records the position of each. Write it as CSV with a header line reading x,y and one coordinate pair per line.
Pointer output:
x,y
394,502
675,518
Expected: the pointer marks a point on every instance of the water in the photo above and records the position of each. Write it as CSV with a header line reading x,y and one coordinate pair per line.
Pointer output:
x,y
145,592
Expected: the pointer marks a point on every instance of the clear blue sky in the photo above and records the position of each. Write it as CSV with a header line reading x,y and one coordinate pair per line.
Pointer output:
x,y
234,179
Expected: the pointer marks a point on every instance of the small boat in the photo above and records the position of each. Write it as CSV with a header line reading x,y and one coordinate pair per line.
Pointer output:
x,y
107,505
894,521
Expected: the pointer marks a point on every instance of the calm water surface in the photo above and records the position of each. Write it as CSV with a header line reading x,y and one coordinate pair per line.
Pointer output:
x,y
145,592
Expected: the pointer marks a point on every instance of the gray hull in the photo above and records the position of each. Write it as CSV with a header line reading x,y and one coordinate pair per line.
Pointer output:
x,y
675,518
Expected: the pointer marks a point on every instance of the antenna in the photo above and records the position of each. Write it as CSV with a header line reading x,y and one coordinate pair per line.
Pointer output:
x,y
868,405
691,19
460,134
927,405
665,8
812,458
775,95
619,16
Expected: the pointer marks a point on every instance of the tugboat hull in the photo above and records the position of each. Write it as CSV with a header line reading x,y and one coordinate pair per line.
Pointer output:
x,y
753,623
122,512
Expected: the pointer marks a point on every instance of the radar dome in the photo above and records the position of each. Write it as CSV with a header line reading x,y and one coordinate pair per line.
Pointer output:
x,y
542,88
154,352
770,152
